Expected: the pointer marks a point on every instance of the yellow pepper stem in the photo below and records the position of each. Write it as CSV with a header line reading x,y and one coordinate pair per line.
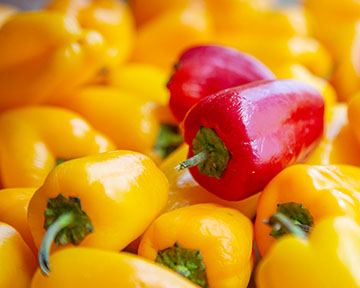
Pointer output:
x,y
279,220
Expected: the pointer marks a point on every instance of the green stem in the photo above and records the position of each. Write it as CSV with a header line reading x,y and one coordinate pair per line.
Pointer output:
x,y
289,226
63,221
194,161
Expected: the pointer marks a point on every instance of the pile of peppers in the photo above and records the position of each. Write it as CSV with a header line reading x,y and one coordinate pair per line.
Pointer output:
x,y
180,144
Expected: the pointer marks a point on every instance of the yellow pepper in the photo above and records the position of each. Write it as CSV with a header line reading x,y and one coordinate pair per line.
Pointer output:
x,y
329,258
17,261
59,56
111,18
91,268
207,243
130,121
162,40
185,191
33,139
307,194
339,144
354,116
6,11
13,211
103,201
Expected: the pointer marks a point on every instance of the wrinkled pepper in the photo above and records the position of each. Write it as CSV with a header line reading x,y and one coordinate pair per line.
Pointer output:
x,y
45,136
185,191
204,70
240,138
17,261
13,211
111,18
103,201
307,194
92,268
329,258
59,56
196,240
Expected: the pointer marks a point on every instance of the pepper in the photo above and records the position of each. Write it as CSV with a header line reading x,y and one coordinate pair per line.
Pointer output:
x,y
13,211
205,70
111,18
18,262
130,121
105,201
92,268
59,56
185,191
328,258
196,240
307,194
243,136
6,11
45,136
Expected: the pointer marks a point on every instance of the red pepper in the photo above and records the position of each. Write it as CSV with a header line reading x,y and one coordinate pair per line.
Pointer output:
x,y
205,70
244,136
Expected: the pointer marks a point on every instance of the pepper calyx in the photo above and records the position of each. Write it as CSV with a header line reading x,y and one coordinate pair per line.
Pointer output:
x,y
186,262
168,140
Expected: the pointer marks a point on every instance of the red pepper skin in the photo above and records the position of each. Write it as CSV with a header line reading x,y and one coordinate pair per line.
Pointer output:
x,y
266,126
206,70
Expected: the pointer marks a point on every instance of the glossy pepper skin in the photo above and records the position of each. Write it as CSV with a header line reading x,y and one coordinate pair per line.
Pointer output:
x,y
323,190
197,228
121,192
13,211
92,268
204,70
185,191
329,258
264,126
18,262
44,134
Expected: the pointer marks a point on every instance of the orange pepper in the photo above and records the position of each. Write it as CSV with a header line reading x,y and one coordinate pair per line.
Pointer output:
x,y
13,211
43,136
207,237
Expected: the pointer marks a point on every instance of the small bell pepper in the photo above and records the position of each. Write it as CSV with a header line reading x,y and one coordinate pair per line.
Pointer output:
x,y
240,138
17,261
130,121
111,18
59,56
329,258
92,268
204,70
13,211
6,11
206,243
104,201
163,39
307,194
44,137
184,191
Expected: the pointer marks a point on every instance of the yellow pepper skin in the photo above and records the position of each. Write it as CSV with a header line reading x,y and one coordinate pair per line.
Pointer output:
x,y
354,116
162,40
131,122
43,135
6,11
13,211
17,261
339,144
185,191
153,81
111,18
223,236
325,191
328,259
92,268
121,191
59,56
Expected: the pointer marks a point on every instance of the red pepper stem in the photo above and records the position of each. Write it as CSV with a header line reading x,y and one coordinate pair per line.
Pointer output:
x,y
194,161
285,222
63,221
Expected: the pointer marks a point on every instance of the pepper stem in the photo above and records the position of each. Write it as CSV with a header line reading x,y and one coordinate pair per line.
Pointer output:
x,y
63,221
194,161
279,220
